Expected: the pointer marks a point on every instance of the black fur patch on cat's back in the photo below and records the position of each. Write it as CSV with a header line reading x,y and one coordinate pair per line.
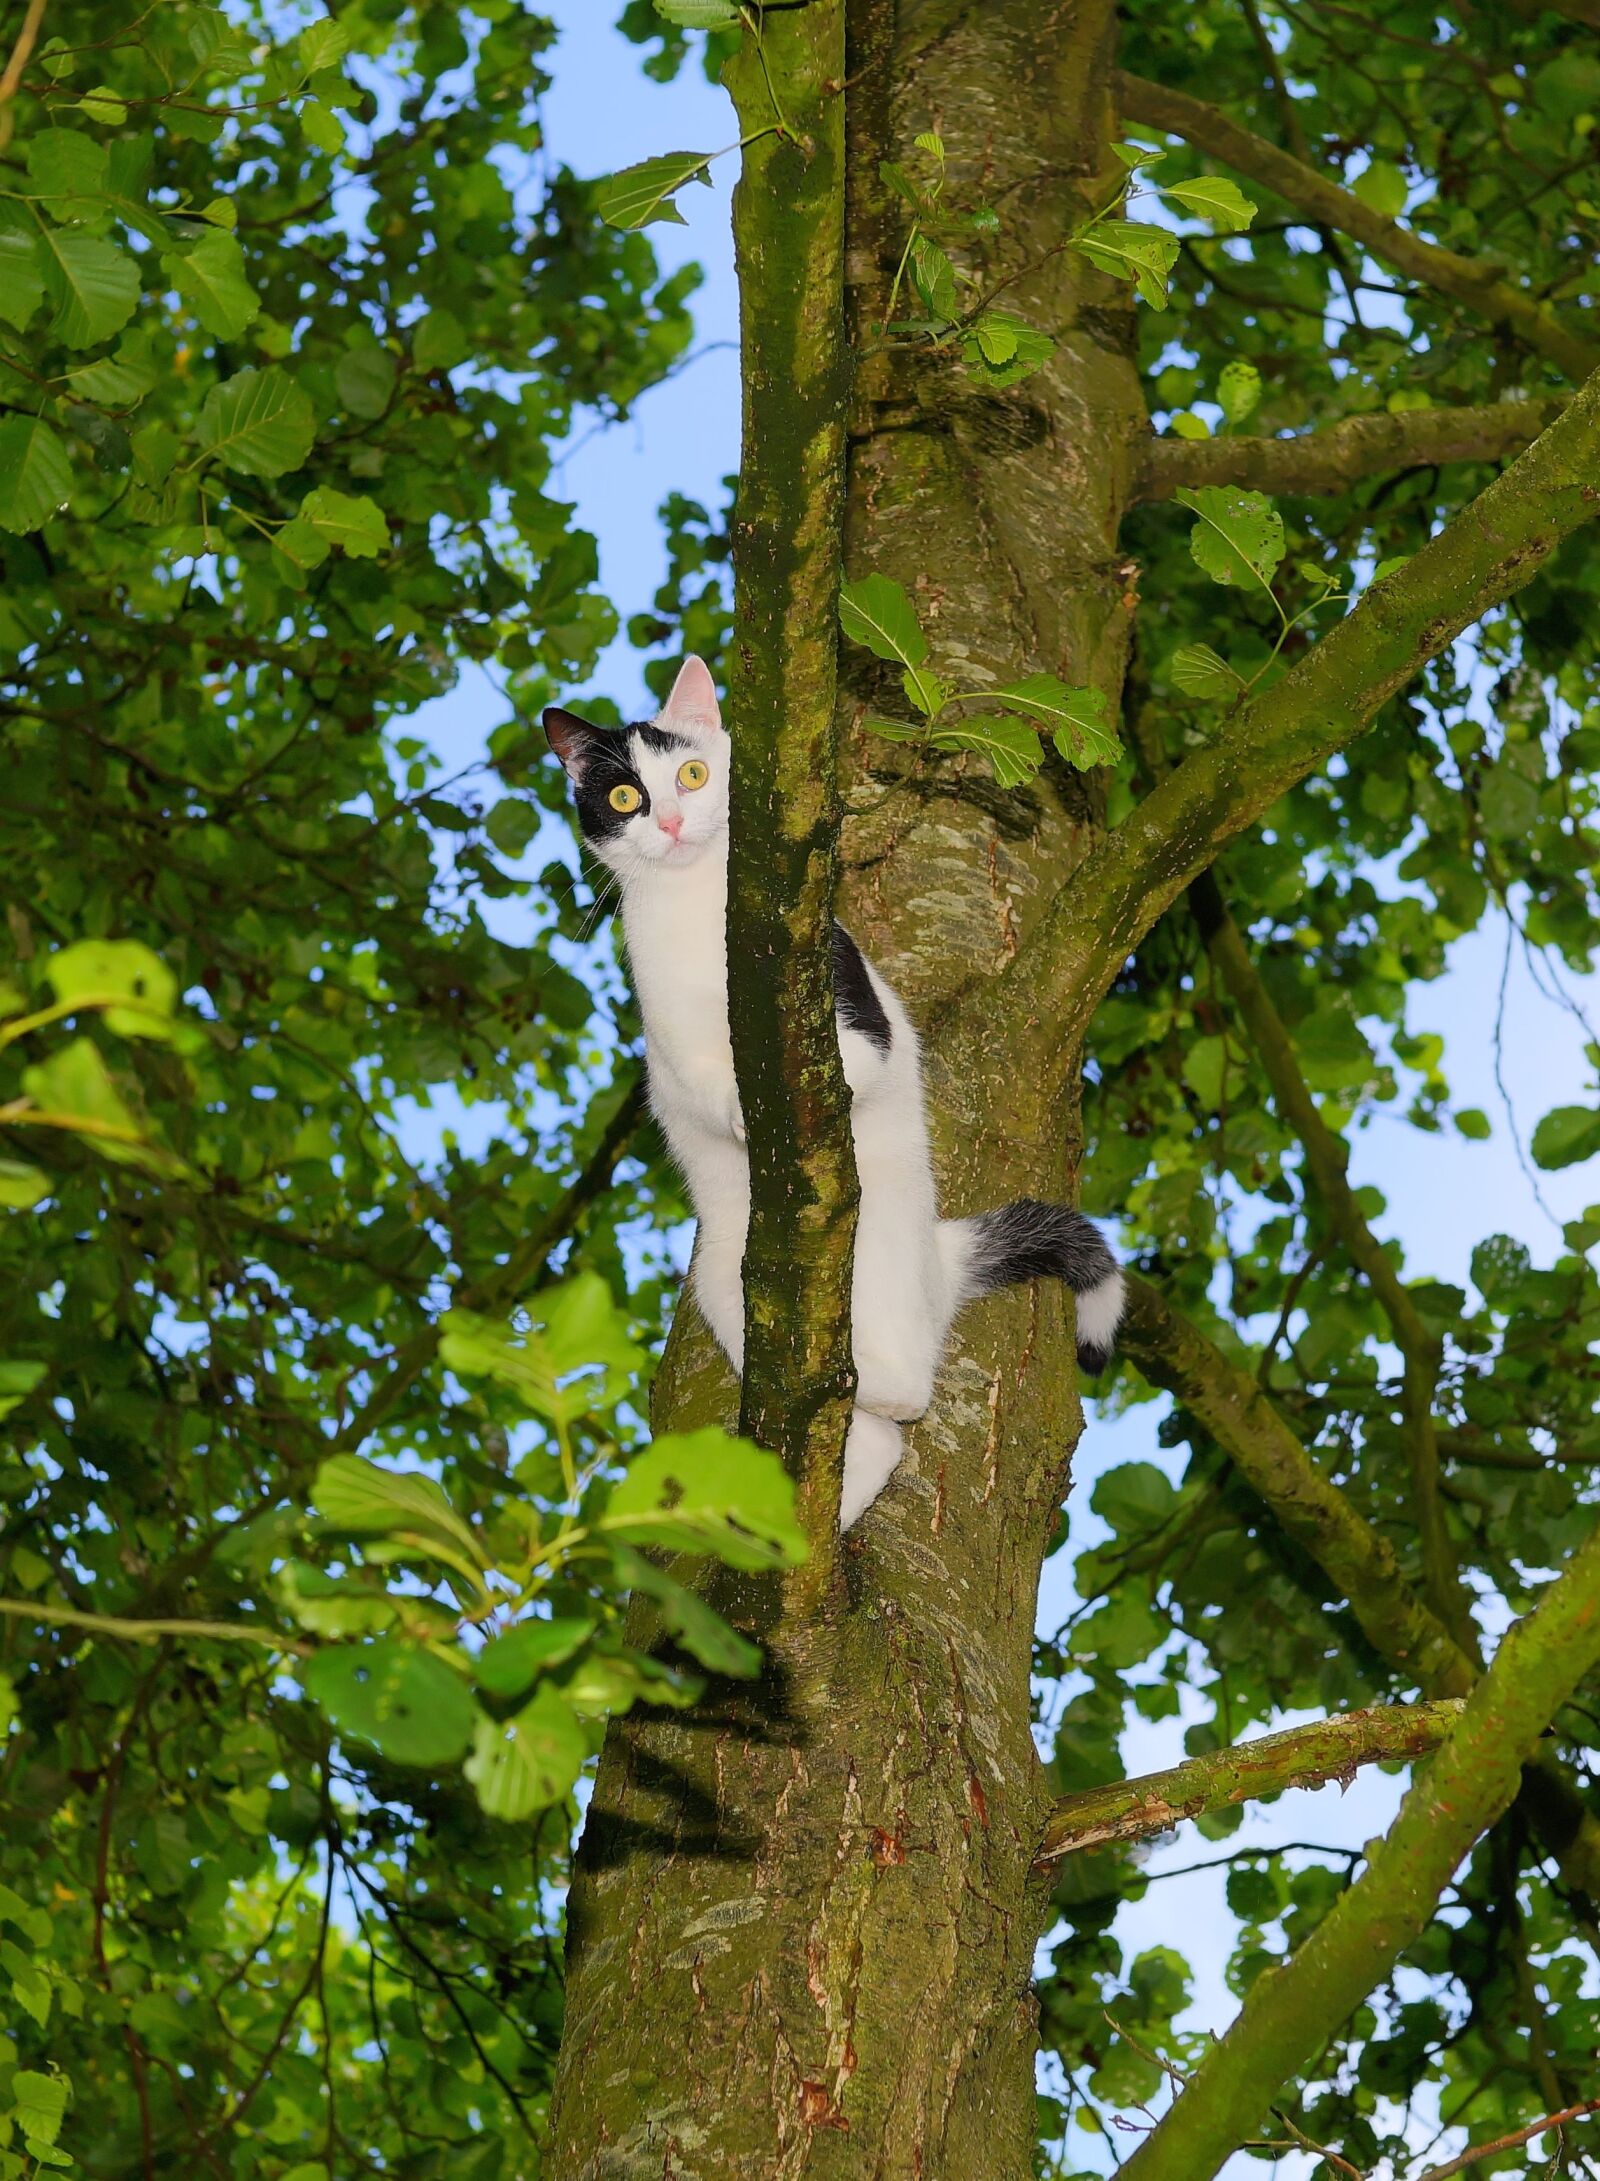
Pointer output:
x,y
855,999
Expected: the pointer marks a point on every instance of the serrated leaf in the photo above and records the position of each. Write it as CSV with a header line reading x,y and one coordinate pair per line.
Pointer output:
x,y
322,45
524,1764
514,1661
356,1496
1028,346
1010,745
925,690
112,382
707,1492
21,279
639,194
1074,718
1131,251
699,14
1213,197
302,548
931,142
257,422
577,1332
1238,390
1238,538
1202,672
896,730
93,284
321,127
877,613
995,337
40,2102
354,523
211,280
934,278
65,163
35,475
396,1695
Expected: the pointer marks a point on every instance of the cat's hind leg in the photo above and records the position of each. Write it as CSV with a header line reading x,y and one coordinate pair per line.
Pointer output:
x,y
871,1457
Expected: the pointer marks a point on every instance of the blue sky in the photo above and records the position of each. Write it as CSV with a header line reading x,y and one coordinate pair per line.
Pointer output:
x,y
1444,1193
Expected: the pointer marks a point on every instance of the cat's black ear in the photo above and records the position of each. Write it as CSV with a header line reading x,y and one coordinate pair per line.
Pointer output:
x,y
572,739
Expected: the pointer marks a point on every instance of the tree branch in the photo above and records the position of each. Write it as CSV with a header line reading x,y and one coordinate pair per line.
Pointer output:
x,y
1464,280
1357,1559
1347,452
1329,1749
1288,2014
1476,2152
1048,993
788,225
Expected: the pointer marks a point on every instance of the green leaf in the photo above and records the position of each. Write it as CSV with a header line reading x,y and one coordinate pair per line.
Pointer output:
x,y
354,1495
514,1661
1202,672
684,1614
932,143
21,279
1130,251
608,1681
512,824
704,1491
934,278
1474,1124
639,194
876,612
1382,187
1024,348
115,384
1211,197
17,1381
35,475
365,378
576,1333
333,1605
699,14
1074,718
211,279
355,523
1011,746
64,163
1566,1137
93,971
93,284
322,127
257,422
21,1188
1239,536
395,1695
74,1084
524,1764
40,2102
302,547
437,342
1238,390
103,105
322,45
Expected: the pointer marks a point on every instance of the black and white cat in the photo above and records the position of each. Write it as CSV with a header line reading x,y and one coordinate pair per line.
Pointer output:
x,y
653,805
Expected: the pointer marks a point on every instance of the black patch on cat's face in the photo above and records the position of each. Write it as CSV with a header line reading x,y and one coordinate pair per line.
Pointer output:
x,y
855,999
660,739
598,759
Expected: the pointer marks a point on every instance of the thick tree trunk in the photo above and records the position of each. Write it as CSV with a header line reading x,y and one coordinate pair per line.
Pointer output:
x,y
803,1924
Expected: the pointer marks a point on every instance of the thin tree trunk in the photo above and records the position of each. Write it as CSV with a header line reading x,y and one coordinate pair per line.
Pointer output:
x,y
803,1924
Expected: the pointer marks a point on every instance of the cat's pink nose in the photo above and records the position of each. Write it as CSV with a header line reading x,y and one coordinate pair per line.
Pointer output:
x,y
672,824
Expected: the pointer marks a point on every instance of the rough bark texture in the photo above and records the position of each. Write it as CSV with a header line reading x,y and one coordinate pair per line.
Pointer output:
x,y
802,1941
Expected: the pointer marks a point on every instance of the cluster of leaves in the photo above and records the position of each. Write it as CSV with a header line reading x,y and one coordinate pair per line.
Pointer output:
x,y
877,613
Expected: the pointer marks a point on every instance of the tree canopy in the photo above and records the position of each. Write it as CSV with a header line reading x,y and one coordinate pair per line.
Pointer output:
x,y
326,1469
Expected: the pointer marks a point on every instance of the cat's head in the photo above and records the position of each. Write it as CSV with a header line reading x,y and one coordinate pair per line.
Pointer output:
x,y
651,797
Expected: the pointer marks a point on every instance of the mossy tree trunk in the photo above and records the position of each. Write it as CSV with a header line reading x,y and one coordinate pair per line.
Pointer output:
x,y
803,1929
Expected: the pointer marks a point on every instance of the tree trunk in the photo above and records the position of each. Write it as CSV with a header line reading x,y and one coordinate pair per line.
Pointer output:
x,y
803,1923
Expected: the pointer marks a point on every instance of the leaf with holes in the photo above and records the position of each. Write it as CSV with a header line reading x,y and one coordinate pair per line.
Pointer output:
x,y
35,475
639,194
705,1491
1238,538
1238,390
122,976
395,1695
257,422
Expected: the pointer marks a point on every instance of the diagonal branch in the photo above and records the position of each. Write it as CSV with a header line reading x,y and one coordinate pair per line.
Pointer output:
x,y
1288,2015
1468,281
1357,1559
1345,453
1328,1749
1048,993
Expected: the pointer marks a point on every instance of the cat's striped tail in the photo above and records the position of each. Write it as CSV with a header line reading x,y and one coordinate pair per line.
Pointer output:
x,y
1033,1241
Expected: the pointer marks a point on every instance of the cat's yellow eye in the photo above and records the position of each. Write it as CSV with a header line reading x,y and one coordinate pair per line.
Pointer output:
x,y
693,774
625,798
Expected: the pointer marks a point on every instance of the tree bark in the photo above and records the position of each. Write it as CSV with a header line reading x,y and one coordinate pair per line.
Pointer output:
x,y
803,1923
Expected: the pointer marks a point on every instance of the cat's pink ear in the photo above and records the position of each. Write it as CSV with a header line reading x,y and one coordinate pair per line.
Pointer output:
x,y
692,708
